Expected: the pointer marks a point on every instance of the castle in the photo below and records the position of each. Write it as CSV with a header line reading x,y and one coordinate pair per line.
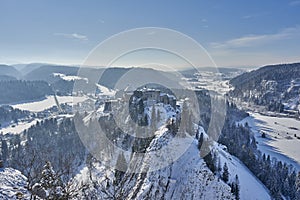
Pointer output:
x,y
149,96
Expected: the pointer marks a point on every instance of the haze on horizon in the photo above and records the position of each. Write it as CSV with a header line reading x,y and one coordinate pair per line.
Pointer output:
x,y
235,34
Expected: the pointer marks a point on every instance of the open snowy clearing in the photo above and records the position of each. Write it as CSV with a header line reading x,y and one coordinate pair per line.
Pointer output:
x,y
106,91
18,128
282,137
39,106
68,77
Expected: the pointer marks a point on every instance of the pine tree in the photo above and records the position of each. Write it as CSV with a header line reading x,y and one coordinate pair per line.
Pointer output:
x,y
237,187
184,120
121,167
4,150
172,126
153,119
225,175
200,141
51,182
158,116
219,168
210,161
297,195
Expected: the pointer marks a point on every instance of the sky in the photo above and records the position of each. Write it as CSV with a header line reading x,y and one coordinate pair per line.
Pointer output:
x,y
234,33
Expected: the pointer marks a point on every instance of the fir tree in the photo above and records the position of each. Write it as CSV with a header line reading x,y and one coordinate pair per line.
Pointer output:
x,y
51,182
158,116
184,120
153,119
225,175
120,169
4,150
237,187
200,141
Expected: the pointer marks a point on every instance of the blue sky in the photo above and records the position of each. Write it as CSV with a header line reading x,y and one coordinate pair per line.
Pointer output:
x,y
235,33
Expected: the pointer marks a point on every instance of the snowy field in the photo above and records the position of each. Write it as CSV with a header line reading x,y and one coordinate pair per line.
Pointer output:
x,y
39,106
106,91
18,128
282,137
68,77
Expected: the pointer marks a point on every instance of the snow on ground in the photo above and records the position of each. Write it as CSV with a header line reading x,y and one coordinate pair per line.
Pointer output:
x,y
165,111
106,91
250,187
293,104
39,106
18,128
213,81
11,183
185,178
69,78
280,141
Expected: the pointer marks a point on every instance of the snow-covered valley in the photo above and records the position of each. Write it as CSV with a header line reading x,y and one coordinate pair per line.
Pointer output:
x,y
282,136
178,171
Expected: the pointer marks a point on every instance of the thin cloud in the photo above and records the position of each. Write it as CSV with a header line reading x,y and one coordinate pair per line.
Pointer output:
x,y
247,16
72,36
256,40
294,3
255,15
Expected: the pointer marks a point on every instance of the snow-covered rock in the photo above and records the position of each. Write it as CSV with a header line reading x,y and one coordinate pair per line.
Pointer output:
x,y
187,178
12,184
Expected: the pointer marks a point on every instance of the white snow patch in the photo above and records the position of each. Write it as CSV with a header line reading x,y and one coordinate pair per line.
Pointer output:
x,y
18,128
68,77
106,91
39,106
11,182
281,142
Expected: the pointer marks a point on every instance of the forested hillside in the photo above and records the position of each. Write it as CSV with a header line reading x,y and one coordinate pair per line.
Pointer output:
x,y
9,71
272,86
17,91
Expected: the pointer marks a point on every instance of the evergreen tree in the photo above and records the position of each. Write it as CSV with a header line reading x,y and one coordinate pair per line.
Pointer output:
x,y
200,141
172,126
121,167
209,161
184,120
158,117
237,187
4,150
153,119
298,186
219,168
225,175
51,182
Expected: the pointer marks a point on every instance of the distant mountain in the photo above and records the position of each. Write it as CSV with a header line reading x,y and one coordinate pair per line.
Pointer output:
x,y
45,72
26,68
20,91
62,78
268,85
7,78
9,71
